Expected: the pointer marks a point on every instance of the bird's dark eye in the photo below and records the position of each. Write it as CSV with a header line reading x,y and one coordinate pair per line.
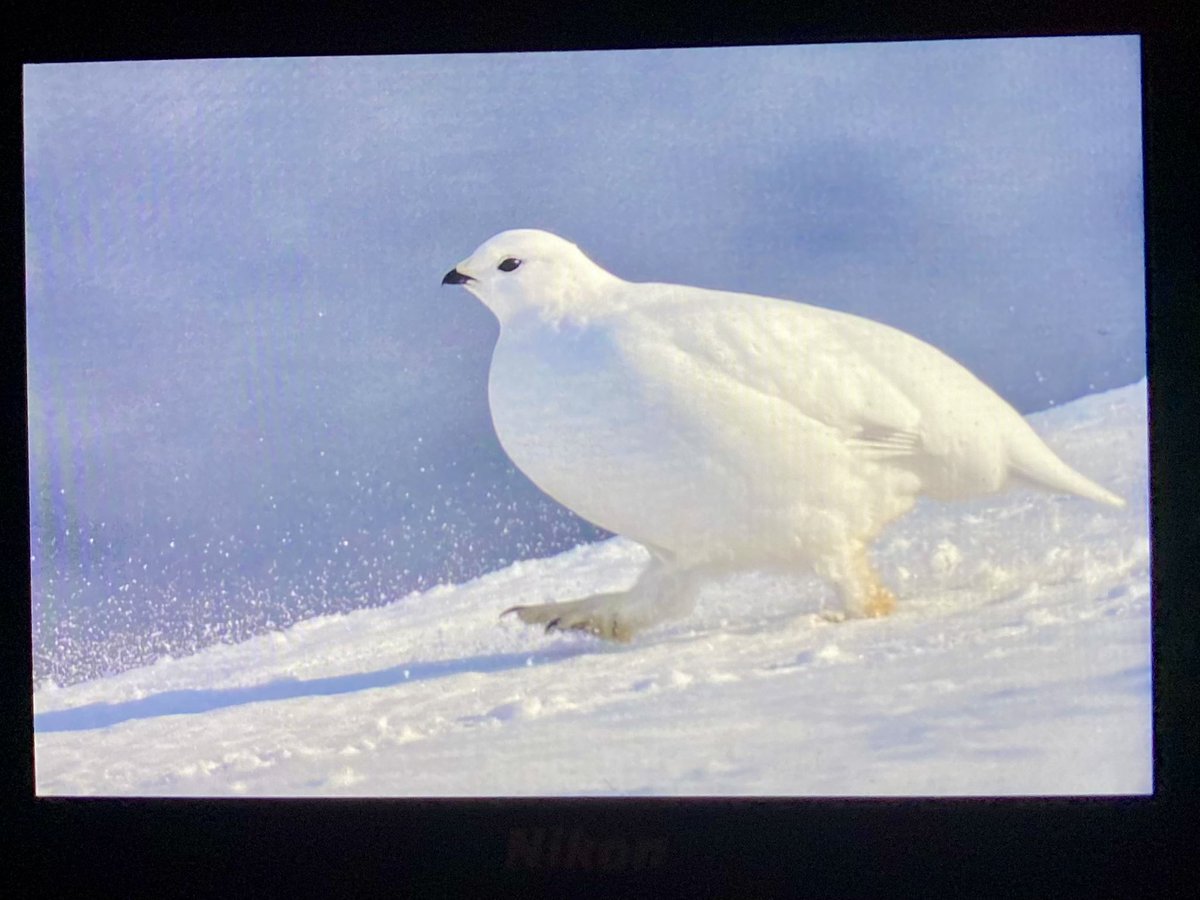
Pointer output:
x,y
509,264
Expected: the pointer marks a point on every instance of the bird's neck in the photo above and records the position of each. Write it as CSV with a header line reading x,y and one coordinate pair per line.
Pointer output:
x,y
572,302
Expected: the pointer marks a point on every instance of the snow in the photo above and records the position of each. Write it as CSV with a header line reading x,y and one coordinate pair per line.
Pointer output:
x,y
1017,663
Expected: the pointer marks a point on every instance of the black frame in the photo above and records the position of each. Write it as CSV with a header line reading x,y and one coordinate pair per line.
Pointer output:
x,y
835,847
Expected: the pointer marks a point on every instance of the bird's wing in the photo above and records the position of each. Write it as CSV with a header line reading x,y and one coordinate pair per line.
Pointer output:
x,y
883,443
788,352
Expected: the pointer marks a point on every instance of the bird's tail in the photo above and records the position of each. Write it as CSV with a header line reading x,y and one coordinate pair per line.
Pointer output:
x,y
1031,459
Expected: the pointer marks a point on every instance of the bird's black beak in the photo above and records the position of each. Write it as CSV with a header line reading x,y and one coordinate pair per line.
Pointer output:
x,y
456,277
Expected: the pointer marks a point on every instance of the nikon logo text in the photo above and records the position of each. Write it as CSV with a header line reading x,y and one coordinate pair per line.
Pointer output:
x,y
556,848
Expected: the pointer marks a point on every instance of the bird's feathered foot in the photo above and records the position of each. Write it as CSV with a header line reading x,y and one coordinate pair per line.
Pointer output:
x,y
660,593
880,601
863,593
596,615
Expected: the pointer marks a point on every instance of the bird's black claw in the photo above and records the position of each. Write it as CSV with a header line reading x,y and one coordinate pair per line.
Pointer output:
x,y
552,625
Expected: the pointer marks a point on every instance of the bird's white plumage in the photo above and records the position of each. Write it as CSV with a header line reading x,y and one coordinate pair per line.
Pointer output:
x,y
727,430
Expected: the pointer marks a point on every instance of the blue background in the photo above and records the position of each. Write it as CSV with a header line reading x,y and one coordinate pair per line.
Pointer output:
x,y
252,401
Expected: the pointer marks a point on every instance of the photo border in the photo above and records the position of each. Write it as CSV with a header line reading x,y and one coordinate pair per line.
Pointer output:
x,y
735,847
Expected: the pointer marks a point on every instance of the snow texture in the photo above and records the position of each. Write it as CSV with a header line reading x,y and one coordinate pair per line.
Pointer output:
x,y
1017,663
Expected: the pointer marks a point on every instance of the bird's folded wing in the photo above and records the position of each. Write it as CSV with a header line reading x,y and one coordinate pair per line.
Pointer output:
x,y
883,444
794,354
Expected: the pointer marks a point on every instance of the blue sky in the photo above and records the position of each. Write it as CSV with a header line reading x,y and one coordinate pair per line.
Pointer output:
x,y
249,392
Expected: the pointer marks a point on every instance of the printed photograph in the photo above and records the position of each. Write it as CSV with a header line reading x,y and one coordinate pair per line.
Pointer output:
x,y
712,422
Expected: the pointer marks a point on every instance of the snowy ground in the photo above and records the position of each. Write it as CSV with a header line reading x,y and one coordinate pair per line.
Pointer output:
x,y
1018,662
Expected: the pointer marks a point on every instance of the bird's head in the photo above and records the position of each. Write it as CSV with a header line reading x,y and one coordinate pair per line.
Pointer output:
x,y
526,270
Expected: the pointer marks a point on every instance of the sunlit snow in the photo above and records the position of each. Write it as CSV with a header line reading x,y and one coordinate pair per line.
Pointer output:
x,y
1018,662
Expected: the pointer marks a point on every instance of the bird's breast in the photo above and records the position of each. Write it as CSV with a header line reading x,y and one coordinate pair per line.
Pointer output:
x,y
581,425
639,436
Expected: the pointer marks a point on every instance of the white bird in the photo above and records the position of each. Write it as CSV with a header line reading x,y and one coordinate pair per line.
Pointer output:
x,y
728,431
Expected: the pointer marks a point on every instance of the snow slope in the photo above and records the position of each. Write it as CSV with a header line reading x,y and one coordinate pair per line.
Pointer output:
x,y
1018,662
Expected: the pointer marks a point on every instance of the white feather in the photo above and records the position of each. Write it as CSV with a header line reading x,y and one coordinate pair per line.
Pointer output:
x,y
732,428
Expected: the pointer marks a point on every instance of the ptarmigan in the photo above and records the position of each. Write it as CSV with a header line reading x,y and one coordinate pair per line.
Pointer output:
x,y
728,431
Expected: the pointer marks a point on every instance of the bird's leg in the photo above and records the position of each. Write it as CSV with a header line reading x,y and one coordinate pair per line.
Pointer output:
x,y
660,593
862,590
